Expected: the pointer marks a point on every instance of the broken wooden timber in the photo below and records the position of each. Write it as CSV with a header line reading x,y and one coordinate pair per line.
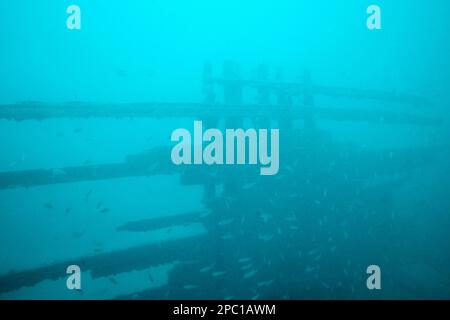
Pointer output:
x,y
297,88
157,161
42,111
161,223
111,263
146,164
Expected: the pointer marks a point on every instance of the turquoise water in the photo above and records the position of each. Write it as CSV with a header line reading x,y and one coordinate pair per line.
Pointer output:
x,y
364,185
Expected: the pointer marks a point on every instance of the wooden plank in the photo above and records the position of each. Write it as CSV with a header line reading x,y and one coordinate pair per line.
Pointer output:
x,y
20,112
111,263
146,164
160,223
154,162
297,88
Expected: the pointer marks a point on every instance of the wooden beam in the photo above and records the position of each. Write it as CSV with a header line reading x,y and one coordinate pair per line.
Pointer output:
x,y
297,88
36,111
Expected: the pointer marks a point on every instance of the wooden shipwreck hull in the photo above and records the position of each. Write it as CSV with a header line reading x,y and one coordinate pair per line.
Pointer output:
x,y
244,243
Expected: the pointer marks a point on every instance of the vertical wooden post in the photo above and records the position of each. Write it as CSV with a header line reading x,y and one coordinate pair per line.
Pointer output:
x,y
284,98
263,94
262,75
232,95
232,89
209,97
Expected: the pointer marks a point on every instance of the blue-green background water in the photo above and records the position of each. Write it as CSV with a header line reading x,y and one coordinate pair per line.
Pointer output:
x,y
319,229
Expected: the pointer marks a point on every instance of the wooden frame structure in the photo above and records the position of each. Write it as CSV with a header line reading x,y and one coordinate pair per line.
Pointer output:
x,y
241,185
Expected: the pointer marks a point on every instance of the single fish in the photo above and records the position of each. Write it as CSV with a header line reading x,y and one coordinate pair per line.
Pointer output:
x,y
77,235
266,217
227,237
206,269
225,222
88,194
248,185
48,205
218,273
244,260
309,269
265,283
266,237
250,274
247,266
289,168
204,215
313,252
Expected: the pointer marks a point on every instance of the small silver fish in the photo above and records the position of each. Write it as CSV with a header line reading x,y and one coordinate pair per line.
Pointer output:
x,y
227,237
247,266
248,185
309,269
265,283
244,260
265,217
204,215
265,237
225,222
250,274
206,269
190,287
218,273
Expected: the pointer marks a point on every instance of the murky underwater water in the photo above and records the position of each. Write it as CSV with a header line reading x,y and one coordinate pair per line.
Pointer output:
x,y
362,182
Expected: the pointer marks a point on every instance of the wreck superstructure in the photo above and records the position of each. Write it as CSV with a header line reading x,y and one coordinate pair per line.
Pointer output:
x,y
322,187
